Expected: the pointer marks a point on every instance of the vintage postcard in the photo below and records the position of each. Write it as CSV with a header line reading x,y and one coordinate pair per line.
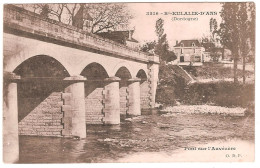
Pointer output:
x,y
128,82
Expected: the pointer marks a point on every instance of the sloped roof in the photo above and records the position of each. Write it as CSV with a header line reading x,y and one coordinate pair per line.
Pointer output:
x,y
188,43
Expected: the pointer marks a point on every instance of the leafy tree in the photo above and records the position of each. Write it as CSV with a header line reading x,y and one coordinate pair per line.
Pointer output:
x,y
159,28
162,46
251,10
233,31
213,26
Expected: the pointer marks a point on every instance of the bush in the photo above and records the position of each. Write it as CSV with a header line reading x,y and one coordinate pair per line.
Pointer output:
x,y
221,93
173,86
172,81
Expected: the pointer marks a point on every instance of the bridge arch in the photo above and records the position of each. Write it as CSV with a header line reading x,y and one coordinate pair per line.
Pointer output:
x,y
95,71
13,60
39,94
142,75
123,73
41,66
125,65
94,86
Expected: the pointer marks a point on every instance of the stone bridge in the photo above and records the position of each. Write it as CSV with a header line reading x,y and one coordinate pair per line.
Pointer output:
x,y
58,79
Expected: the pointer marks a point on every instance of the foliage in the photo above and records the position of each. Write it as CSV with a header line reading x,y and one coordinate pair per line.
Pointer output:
x,y
172,81
161,47
235,30
173,86
213,24
220,93
159,28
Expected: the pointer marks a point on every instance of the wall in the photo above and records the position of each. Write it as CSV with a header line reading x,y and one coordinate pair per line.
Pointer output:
x,y
187,53
94,102
39,109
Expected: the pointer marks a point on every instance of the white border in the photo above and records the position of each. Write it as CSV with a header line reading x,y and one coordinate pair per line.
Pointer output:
x,y
256,164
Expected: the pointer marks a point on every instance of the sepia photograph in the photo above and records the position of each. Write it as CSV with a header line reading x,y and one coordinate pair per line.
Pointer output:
x,y
128,82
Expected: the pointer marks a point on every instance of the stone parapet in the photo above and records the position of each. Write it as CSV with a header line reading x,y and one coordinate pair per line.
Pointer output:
x,y
17,19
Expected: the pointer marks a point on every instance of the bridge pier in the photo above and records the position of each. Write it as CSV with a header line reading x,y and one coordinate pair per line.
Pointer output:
x,y
74,108
10,119
111,101
134,107
153,80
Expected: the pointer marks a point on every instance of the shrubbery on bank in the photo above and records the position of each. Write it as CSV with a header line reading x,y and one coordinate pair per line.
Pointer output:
x,y
173,88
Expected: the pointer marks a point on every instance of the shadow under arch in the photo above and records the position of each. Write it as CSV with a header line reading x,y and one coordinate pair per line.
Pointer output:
x,y
144,89
124,74
94,71
41,66
95,74
142,75
41,81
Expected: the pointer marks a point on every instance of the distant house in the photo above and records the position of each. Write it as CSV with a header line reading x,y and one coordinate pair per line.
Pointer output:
x,y
123,37
189,52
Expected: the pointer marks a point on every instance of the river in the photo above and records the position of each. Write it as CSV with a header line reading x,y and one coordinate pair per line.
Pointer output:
x,y
152,132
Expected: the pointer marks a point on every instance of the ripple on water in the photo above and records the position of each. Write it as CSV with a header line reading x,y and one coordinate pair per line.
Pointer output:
x,y
147,133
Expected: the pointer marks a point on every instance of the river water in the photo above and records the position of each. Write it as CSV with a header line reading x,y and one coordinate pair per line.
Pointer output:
x,y
151,132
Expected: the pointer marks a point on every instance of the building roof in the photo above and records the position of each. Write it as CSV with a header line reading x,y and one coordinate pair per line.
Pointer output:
x,y
119,36
188,43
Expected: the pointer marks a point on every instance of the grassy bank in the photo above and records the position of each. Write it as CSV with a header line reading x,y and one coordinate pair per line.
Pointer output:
x,y
213,70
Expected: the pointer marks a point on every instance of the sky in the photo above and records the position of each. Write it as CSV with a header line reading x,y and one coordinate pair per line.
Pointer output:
x,y
176,30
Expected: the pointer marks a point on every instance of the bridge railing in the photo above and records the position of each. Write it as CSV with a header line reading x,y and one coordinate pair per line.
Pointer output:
x,y
24,20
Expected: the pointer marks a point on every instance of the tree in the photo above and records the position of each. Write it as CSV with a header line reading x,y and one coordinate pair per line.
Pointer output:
x,y
243,34
233,30
237,31
159,30
213,24
106,16
162,46
251,11
57,10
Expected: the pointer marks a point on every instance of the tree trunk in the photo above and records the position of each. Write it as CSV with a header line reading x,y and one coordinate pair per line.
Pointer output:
x,y
223,53
235,67
244,68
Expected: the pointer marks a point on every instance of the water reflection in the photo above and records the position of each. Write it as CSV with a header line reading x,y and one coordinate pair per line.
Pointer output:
x,y
151,132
